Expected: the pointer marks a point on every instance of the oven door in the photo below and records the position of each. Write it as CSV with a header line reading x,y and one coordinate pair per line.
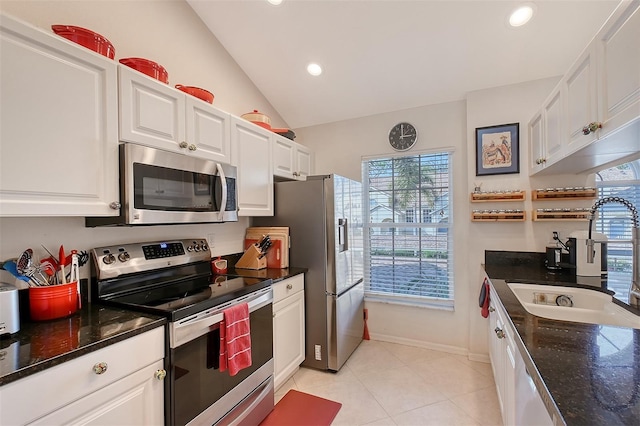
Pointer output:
x,y
199,392
166,187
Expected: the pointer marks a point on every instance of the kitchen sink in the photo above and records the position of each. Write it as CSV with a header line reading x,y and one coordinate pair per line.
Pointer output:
x,y
573,304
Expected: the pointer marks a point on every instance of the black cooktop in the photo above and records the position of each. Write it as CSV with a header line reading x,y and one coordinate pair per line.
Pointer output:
x,y
181,299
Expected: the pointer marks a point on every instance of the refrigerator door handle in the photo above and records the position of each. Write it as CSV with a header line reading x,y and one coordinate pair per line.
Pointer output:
x,y
343,235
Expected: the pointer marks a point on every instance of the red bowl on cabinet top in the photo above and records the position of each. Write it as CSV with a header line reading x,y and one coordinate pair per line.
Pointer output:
x,y
86,38
150,68
199,93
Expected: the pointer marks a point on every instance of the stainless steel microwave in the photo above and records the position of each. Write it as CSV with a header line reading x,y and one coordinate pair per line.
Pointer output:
x,y
162,187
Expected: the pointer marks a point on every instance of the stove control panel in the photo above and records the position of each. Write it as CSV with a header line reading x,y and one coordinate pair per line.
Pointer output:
x,y
114,261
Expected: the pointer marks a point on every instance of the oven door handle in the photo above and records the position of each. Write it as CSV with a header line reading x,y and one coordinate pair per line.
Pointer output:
x,y
192,327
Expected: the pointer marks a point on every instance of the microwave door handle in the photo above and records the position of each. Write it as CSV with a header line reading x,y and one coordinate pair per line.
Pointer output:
x,y
223,202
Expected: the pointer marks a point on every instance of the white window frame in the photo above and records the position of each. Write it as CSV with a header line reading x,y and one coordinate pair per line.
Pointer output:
x,y
410,300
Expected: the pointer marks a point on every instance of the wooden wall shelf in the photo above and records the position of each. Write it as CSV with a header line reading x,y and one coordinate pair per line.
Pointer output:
x,y
563,194
498,216
480,197
557,215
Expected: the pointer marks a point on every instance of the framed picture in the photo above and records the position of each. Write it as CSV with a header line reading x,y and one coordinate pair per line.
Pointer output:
x,y
201,184
498,149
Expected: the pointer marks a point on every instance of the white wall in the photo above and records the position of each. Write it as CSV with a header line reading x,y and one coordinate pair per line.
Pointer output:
x,y
170,33
340,147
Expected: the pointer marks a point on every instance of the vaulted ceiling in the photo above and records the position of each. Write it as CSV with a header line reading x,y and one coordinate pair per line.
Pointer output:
x,y
381,56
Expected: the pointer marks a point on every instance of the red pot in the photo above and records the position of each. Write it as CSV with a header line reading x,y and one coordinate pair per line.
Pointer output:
x,y
150,68
86,38
199,93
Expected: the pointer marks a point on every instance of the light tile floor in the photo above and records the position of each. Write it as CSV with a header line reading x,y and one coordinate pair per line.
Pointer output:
x,y
389,384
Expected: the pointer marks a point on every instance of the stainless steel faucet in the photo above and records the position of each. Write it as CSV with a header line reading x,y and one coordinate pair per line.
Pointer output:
x,y
634,289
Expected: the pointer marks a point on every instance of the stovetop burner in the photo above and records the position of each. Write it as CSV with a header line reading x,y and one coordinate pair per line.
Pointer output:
x,y
165,278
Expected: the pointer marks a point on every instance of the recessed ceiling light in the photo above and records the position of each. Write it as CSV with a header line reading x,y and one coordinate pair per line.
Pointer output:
x,y
314,69
275,2
521,15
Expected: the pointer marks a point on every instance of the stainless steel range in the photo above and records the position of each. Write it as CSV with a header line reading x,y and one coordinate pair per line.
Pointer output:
x,y
173,278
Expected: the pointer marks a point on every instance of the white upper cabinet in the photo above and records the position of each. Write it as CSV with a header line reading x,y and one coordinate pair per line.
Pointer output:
x,y
599,101
59,115
546,132
618,50
290,159
253,157
155,114
581,94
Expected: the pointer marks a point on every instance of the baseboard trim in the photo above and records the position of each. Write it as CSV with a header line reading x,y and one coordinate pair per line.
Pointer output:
x,y
420,344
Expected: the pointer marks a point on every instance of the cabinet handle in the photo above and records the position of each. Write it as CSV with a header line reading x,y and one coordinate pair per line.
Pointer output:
x,y
499,333
541,160
160,374
100,368
115,205
296,174
591,127
289,286
192,147
492,309
183,144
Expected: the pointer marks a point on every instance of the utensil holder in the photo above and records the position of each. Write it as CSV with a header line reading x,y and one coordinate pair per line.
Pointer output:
x,y
251,259
54,301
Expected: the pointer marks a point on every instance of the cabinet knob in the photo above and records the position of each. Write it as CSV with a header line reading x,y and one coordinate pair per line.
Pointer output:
x,y
591,127
492,309
160,374
100,368
115,205
289,286
499,333
192,147
183,144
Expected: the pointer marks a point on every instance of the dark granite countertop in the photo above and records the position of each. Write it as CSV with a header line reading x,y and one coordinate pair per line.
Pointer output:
x,y
268,273
590,372
41,345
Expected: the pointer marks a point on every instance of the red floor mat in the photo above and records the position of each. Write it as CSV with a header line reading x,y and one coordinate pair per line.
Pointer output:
x,y
302,409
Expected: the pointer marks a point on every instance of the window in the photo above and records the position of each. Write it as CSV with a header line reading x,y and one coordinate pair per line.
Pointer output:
x,y
614,220
408,229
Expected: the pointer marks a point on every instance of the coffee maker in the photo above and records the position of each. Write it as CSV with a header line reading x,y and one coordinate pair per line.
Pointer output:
x,y
577,245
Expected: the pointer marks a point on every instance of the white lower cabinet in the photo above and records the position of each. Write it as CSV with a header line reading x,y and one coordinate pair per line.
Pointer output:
x,y
130,390
288,328
501,352
520,401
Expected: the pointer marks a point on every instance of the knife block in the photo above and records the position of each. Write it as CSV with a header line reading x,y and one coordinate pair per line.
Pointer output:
x,y
251,259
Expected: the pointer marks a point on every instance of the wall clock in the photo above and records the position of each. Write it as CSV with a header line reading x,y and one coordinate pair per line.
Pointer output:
x,y
403,136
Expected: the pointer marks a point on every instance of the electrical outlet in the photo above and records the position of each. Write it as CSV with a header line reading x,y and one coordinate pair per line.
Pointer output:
x,y
211,239
318,354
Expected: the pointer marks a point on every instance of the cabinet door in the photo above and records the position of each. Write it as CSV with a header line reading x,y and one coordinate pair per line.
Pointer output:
x,y
304,160
553,128
496,351
284,157
208,132
253,157
580,87
151,113
59,132
618,45
137,399
288,337
536,143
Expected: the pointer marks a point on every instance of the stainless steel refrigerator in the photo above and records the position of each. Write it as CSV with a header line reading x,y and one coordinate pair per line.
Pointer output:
x,y
324,216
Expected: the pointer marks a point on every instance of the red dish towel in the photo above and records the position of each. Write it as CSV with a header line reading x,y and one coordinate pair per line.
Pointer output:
x,y
484,298
235,339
